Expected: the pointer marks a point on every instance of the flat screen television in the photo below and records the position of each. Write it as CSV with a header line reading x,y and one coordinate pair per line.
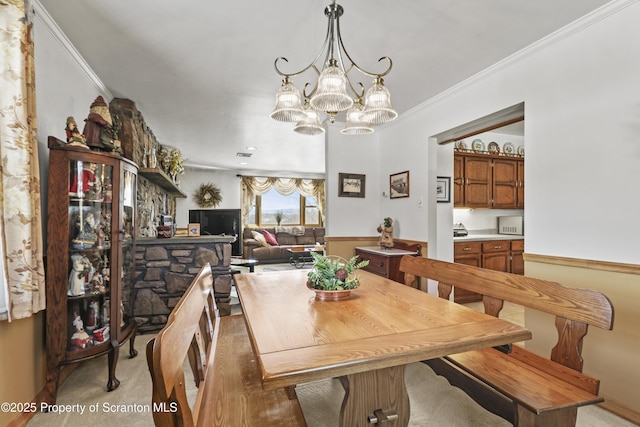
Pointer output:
x,y
219,221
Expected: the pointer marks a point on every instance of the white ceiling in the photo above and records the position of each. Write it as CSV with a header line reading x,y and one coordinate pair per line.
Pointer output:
x,y
201,72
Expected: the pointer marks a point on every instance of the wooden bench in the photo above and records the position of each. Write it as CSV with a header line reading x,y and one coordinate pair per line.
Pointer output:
x,y
223,364
516,384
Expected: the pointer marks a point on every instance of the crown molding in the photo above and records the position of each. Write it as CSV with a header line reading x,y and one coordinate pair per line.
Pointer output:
x,y
47,21
557,36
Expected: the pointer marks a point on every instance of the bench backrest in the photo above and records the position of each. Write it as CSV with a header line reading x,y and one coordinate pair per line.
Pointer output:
x,y
575,309
190,331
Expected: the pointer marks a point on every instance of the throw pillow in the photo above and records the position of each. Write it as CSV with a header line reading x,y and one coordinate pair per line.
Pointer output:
x,y
260,238
270,238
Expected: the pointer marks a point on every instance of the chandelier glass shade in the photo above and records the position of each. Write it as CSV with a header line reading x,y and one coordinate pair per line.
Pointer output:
x,y
310,124
333,91
377,107
355,122
288,103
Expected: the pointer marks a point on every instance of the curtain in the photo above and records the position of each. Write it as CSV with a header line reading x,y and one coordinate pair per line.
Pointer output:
x,y
253,186
22,272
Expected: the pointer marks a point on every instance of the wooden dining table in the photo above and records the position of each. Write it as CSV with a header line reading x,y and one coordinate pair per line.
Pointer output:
x,y
365,340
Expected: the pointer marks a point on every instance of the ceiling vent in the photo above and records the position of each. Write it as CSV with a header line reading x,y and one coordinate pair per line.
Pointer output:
x,y
244,154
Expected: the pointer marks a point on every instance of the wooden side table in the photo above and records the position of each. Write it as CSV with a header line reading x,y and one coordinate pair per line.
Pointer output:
x,y
300,255
384,262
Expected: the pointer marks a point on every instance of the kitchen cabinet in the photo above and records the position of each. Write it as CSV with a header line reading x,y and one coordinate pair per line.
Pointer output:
x,y
500,255
472,181
505,189
495,255
520,184
90,259
469,253
517,257
488,181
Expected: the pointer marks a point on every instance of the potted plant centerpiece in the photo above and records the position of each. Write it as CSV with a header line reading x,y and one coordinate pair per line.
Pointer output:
x,y
334,277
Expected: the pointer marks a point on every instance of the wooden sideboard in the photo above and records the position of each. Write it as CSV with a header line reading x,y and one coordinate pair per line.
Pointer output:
x,y
385,262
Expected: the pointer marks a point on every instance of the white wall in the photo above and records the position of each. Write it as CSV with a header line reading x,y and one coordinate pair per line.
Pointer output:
x,y
65,86
353,216
226,181
582,126
405,151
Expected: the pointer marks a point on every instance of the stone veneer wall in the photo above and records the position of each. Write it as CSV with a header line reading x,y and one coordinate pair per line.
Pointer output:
x,y
165,269
136,136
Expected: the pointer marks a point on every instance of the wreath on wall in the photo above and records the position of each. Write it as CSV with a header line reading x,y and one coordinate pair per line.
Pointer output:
x,y
208,196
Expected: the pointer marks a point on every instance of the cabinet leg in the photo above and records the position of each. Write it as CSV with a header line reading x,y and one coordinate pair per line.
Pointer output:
x,y
51,387
113,382
132,351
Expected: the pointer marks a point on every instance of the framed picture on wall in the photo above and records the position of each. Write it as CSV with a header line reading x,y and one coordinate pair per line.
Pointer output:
x,y
443,189
351,185
399,185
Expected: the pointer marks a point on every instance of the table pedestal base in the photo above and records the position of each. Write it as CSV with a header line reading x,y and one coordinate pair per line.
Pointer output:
x,y
382,390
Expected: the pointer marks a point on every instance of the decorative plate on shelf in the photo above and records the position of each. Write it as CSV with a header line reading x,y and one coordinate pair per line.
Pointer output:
x,y
520,150
494,148
508,149
461,145
477,145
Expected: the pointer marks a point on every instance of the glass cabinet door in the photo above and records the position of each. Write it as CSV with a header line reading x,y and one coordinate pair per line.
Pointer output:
x,y
127,227
90,254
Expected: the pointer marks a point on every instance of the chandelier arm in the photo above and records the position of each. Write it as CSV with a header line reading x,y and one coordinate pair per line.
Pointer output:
x,y
315,87
310,94
358,95
357,67
355,92
312,64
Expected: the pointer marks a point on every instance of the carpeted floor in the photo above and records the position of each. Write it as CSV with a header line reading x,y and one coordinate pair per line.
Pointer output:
x,y
433,401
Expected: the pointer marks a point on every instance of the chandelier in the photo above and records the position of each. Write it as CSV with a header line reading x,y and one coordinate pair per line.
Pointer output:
x,y
333,91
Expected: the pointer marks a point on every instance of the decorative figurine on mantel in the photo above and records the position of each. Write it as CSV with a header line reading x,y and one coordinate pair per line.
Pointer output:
x,y
386,230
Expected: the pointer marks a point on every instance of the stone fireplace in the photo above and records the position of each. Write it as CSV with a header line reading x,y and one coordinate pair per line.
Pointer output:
x,y
166,267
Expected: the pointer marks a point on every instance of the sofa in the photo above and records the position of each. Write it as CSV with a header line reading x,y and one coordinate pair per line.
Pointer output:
x,y
285,238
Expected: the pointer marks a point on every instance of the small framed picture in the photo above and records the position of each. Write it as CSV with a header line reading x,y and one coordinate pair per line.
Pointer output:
x,y
443,189
399,185
351,185
193,230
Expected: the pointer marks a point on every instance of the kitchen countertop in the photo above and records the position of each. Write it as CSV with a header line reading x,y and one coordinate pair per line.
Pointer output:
x,y
473,237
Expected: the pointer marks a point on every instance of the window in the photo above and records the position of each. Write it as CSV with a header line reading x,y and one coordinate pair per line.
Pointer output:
x,y
295,209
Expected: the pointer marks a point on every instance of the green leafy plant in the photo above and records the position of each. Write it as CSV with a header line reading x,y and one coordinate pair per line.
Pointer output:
x,y
279,216
334,274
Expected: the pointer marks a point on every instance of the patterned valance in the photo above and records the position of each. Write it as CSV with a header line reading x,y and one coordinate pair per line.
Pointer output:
x,y
253,186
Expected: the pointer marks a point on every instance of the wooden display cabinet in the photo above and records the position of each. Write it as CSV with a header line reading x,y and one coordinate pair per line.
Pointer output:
x,y
90,259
